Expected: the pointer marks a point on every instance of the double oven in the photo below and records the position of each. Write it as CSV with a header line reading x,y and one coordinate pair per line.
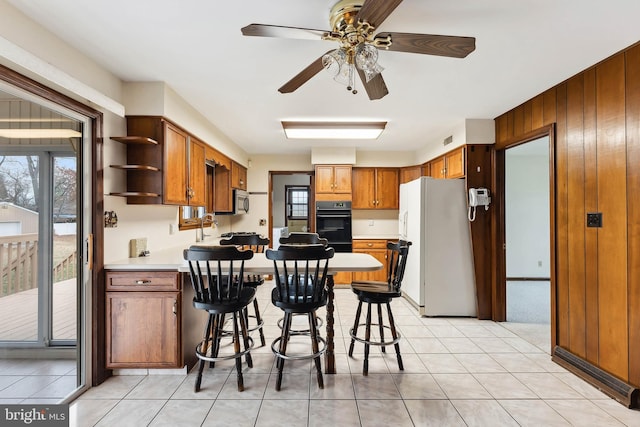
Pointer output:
x,y
333,222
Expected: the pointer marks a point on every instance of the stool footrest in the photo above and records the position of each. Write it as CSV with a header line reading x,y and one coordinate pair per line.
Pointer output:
x,y
277,353
203,356
370,342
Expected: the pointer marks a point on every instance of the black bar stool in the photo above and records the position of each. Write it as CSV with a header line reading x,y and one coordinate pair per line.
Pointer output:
x,y
379,293
217,278
300,276
257,244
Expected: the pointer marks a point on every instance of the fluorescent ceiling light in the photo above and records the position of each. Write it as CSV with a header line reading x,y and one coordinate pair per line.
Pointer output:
x,y
39,133
333,130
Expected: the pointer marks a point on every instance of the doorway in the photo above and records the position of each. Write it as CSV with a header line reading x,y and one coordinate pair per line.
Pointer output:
x,y
291,203
527,224
47,195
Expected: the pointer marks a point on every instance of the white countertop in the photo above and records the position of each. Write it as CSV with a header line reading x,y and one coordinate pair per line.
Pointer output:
x,y
172,259
375,237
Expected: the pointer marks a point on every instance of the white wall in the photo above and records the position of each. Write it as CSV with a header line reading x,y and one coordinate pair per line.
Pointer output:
x,y
527,224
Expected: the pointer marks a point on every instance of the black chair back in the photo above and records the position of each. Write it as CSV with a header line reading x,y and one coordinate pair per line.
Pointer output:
x,y
299,238
253,242
300,276
397,255
222,279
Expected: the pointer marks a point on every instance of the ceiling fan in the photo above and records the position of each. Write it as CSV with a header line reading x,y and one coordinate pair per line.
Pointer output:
x,y
353,23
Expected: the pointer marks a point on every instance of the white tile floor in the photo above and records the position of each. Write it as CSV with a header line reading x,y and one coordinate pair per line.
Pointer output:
x,y
457,372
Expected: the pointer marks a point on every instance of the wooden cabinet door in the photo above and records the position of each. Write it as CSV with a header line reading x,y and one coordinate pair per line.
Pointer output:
x,y
197,173
342,179
364,195
410,173
222,194
438,168
175,166
455,163
324,179
377,249
387,188
238,176
142,330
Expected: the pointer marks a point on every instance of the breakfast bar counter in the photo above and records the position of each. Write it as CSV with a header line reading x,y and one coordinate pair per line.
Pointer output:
x,y
171,260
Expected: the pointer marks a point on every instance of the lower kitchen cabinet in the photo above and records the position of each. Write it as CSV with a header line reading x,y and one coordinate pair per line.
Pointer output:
x,y
150,322
376,248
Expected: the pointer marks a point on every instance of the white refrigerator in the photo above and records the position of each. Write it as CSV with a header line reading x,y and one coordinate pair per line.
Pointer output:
x,y
439,277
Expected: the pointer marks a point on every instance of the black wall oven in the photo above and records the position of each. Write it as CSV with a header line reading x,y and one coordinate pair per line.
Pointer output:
x,y
333,222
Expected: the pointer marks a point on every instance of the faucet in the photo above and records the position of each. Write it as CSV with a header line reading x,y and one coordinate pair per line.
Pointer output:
x,y
202,219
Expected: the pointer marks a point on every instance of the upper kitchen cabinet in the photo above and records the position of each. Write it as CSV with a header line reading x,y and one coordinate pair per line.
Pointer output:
x,y
449,165
375,188
238,176
184,163
177,156
333,182
410,173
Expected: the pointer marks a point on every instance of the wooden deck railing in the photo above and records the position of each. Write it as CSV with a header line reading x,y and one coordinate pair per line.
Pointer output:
x,y
66,269
19,264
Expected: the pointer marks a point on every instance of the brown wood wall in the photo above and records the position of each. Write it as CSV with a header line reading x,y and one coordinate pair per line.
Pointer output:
x,y
597,169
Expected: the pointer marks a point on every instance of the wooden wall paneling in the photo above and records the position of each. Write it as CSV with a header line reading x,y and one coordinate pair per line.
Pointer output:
x,y
591,205
518,120
633,205
576,217
612,202
501,129
478,174
537,120
553,285
498,242
549,107
527,120
561,219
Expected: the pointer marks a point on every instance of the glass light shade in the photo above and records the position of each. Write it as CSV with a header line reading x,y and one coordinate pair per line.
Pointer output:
x,y
366,57
371,73
345,74
333,61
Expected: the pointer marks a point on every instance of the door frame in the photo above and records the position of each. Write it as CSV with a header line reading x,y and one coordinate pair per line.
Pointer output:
x,y
498,218
91,322
312,202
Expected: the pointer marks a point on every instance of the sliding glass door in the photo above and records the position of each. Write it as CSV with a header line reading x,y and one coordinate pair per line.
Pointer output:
x,y
38,248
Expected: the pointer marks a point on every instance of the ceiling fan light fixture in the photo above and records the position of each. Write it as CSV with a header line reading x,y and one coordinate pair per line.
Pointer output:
x,y
332,130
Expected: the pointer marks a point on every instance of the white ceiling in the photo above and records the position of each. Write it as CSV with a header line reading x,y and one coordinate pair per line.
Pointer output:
x,y
196,47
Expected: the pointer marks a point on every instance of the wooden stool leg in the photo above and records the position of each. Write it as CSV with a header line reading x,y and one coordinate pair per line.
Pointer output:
x,y
314,347
367,338
245,339
394,333
203,349
259,320
236,348
286,327
355,328
381,326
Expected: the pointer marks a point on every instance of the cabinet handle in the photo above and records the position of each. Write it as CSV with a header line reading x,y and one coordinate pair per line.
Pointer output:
x,y
175,307
369,244
143,282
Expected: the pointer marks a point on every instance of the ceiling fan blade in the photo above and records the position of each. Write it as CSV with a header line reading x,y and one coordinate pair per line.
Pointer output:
x,y
376,11
430,44
261,30
303,76
376,87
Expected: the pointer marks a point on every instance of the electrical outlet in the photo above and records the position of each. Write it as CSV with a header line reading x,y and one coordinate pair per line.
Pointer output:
x,y
172,228
539,263
594,219
370,223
